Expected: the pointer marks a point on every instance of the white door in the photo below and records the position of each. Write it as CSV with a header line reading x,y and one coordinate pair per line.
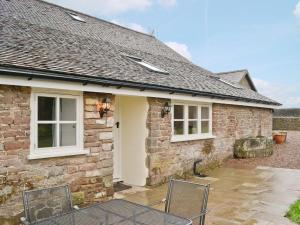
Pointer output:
x,y
134,112
117,174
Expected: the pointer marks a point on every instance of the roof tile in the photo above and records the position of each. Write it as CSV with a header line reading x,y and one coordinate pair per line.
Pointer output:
x,y
39,35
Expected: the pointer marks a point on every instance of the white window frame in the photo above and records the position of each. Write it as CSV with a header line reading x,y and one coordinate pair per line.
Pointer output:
x,y
186,136
204,120
143,63
76,17
59,151
178,120
187,119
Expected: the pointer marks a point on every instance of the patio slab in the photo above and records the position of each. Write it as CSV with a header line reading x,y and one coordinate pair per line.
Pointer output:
x,y
258,196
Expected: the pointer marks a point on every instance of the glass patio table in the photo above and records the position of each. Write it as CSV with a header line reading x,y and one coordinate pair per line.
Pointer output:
x,y
115,212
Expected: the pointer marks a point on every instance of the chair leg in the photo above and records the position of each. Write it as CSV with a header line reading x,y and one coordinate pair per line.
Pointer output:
x,y
202,220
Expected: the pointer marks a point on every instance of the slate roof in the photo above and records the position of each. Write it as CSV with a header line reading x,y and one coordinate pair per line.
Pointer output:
x,y
41,36
236,76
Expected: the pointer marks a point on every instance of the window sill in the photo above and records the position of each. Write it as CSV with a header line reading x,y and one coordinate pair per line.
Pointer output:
x,y
192,138
45,155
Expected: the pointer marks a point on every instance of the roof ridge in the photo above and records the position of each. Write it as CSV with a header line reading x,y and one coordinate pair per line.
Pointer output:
x,y
233,71
94,17
164,43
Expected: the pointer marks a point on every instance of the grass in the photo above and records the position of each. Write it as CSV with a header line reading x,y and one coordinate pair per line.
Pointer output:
x,y
294,212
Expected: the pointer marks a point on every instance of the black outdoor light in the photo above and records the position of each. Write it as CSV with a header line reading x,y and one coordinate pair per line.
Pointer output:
x,y
166,109
104,106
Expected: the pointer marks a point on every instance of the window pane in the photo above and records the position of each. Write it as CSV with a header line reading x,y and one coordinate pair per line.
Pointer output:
x,y
46,135
67,109
204,113
67,134
204,127
193,127
193,112
178,127
178,111
46,108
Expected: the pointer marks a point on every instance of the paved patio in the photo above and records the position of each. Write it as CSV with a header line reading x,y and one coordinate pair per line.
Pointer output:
x,y
258,196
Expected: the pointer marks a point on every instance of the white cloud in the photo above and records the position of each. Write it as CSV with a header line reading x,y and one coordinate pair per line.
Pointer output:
x,y
167,3
180,48
104,7
133,26
111,7
297,10
286,95
137,27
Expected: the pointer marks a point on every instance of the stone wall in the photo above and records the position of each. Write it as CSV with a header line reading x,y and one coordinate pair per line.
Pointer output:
x,y
286,123
89,176
14,146
229,123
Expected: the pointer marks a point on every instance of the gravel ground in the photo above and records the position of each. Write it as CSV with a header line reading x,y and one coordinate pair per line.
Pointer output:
x,y
286,155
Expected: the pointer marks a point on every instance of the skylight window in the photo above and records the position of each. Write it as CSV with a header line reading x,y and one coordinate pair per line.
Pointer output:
x,y
76,17
146,64
228,83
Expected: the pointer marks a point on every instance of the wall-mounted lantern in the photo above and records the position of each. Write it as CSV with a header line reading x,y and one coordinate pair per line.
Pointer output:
x,y
166,109
104,106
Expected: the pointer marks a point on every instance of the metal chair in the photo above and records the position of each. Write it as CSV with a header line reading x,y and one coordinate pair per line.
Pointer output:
x,y
187,200
44,203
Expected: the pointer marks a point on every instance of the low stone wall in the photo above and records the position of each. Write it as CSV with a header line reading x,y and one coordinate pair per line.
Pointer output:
x,y
286,123
89,176
230,123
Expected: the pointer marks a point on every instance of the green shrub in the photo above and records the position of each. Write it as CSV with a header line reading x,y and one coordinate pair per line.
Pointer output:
x,y
294,212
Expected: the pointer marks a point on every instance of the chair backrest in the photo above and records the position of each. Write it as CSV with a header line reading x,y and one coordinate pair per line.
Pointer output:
x,y
187,199
44,203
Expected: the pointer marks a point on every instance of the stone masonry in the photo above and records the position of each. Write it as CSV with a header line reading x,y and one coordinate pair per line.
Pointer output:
x,y
229,124
89,176
286,123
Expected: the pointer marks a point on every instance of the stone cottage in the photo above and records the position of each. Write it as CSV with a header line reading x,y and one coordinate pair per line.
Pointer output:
x,y
87,102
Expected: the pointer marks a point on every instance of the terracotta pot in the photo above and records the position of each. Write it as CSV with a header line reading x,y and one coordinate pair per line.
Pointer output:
x,y
279,138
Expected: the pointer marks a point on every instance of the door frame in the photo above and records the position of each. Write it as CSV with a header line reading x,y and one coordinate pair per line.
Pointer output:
x,y
117,151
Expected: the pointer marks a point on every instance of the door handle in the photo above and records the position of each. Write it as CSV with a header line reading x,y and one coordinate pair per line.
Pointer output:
x,y
117,124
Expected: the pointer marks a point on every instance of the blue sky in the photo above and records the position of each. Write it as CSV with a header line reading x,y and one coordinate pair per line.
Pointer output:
x,y
261,36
